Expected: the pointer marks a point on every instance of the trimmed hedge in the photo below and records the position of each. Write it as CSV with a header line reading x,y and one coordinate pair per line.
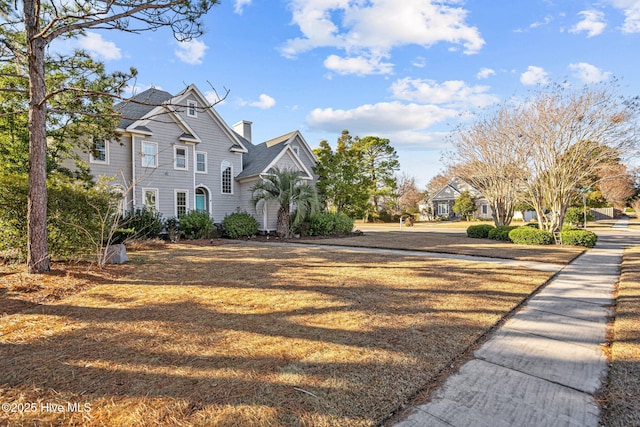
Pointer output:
x,y
501,232
479,231
585,238
145,223
197,225
330,224
530,236
239,224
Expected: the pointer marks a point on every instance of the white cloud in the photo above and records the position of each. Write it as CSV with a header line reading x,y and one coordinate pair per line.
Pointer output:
x,y
546,21
593,23
631,10
452,92
588,73
97,46
381,118
419,62
357,65
372,29
191,51
534,75
485,73
240,5
264,102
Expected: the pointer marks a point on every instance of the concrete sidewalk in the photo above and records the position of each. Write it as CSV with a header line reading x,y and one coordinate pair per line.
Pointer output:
x,y
543,366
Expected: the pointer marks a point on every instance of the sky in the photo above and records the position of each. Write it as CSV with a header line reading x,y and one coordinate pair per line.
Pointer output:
x,y
406,70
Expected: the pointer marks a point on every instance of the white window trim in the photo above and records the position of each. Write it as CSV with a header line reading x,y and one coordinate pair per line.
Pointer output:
x,y
106,155
142,144
192,105
175,157
484,209
442,204
175,201
222,178
296,150
206,166
144,199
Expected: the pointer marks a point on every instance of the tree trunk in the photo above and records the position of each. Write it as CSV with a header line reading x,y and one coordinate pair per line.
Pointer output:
x,y
284,230
38,255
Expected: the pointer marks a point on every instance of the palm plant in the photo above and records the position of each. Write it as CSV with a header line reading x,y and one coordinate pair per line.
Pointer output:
x,y
296,198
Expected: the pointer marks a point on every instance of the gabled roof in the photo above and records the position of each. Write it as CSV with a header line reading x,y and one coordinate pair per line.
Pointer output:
x,y
142,108
140,105
454,188
264,156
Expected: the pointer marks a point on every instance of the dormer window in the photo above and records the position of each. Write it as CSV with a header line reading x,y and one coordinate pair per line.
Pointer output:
x,y
191,109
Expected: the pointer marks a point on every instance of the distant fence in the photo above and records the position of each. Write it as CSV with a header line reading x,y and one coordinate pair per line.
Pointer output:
x,y
605,213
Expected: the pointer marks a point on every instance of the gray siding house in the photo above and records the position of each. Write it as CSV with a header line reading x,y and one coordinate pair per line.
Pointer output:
x,y
442,202
176,154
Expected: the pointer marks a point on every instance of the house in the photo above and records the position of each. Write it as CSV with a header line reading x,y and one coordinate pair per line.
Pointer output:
x,y
442,201
176,154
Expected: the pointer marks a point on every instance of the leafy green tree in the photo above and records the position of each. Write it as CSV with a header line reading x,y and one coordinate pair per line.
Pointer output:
x,y
27,29
342,186
464,205
290,192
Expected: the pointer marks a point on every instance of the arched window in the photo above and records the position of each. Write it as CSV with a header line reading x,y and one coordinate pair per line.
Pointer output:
x,y
227,175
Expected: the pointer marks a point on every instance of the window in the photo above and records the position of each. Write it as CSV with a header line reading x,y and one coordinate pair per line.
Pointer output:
x,y
149,155
150,198
99,151
226,170
201,162
443,208
485,210
180,158
181,202
296,150
191,109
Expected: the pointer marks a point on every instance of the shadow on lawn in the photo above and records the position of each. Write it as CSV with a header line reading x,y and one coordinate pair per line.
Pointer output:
x,y
190,348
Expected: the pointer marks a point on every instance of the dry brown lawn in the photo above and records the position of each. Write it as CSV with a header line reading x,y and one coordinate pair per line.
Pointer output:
x,y
239,334
456,243
622,399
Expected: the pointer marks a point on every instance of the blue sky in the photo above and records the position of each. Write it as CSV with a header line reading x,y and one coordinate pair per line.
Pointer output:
x,y
405,70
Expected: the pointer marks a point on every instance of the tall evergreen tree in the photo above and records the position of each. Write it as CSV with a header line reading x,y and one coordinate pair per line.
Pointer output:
x,y
28,28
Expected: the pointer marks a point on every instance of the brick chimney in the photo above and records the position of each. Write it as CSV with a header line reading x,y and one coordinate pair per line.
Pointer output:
x,y
243,128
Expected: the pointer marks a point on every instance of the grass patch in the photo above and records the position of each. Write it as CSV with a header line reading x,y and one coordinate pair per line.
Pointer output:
x,y
622,398
456,243
237,335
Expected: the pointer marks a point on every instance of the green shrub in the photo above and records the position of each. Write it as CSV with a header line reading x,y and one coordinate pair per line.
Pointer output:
x,y
330,224
530,236
197,225
172,225
575,216
78,217
147,223
501,232
239,224
480,231
321,224
342,224
584,238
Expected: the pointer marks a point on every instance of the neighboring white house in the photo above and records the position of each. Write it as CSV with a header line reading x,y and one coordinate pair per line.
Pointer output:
x,y
177,155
